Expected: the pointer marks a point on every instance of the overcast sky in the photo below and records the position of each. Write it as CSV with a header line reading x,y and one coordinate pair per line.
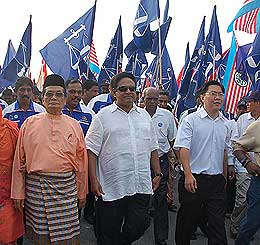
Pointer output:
x,y
51,17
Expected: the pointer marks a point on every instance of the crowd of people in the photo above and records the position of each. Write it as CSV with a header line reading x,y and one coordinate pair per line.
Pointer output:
x,y
69,151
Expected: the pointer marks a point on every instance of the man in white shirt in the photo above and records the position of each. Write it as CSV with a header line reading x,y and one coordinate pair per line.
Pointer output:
x,y
202,140
122,147
166,132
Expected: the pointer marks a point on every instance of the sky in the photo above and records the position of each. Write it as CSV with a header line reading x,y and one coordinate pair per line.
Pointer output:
x,y
51,17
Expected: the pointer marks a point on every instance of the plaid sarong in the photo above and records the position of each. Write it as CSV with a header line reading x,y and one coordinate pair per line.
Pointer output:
x,y
51,211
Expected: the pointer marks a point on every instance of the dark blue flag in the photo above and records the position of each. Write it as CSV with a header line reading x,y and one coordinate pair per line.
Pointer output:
x,y
21,62
164,31
65,52
148,11
166,10
113,62
253,61
10,54
188,73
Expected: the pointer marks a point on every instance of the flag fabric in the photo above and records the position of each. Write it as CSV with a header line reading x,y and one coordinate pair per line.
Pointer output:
x,y
247,19
93,60
253,62
164,28
220,71
166,10
10,54
21,62
186,63
113,61
42,75
148,11
180,105
239,82
64,53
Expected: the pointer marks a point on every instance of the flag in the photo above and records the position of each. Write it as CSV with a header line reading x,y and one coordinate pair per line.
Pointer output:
x,y
180,105
148,11
21,62
64,53
239,82
42,76
113,62
10,54
253,62
164,28
220,71
247,18
166,10
93,60
186,63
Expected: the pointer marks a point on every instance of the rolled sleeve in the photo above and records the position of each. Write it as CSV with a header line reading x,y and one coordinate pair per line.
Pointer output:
x,y
184,135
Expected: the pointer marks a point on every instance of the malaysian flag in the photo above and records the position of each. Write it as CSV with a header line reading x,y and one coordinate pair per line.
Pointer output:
x,y
247,19
239,82
42,75
93,60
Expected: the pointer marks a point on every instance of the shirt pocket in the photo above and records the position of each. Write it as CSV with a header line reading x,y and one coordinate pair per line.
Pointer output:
x,y
143,136
69,145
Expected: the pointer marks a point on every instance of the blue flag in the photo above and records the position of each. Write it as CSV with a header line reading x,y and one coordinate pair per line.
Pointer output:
x,y
188,73
65,52
21,62
10,54
164,28
253,62
148,11
166,10
113,62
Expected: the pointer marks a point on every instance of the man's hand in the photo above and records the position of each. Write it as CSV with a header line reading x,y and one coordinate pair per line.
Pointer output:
x,y
190,183
96,188
19,204
253,169
82,203
156,182
231,172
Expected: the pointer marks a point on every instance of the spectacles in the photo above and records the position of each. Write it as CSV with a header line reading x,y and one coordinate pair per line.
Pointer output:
x,y
51,94
73,91
125,88
215,94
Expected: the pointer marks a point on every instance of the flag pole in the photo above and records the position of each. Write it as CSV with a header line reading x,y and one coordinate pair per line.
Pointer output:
x,y
160,54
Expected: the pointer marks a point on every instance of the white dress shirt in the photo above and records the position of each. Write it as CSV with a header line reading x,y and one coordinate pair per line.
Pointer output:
x,y
123,143
206,139
165,128
241,125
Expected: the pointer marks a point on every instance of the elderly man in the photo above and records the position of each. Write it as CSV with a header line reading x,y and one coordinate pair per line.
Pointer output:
x,y
50,170
23,107
203,142
166,132
122,147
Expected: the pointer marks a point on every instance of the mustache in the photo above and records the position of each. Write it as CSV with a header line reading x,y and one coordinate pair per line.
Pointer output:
x,y
25,97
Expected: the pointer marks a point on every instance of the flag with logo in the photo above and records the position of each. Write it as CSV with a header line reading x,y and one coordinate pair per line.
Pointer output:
x,y
64,53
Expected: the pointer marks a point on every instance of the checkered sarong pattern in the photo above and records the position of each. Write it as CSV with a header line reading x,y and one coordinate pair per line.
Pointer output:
x,y
51,206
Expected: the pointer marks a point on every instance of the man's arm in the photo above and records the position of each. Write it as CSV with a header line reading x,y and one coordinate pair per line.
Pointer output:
x,y
155,165
190,181
96,188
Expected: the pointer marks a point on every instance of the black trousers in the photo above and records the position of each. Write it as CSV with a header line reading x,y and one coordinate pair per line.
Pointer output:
x,y
210,195
89,209
123,221
160,220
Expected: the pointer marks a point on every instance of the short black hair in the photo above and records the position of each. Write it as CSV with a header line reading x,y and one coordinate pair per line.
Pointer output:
x,y
21,81
164,92
118,77
72,81
88,84
7,92
206,85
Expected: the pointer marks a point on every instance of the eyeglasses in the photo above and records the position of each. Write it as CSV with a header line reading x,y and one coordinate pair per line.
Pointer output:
x,y
125,88
51,94
215,94
74,91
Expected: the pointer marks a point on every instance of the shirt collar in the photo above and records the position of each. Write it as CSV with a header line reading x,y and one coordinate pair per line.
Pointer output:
x,y
17,106
203,113
158,112
249,116
115,107
77,108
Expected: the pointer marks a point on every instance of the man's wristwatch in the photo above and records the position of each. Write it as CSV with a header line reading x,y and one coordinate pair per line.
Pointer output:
x,y
159,174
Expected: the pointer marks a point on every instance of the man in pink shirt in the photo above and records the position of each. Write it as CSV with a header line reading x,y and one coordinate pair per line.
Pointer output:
x,y
50,170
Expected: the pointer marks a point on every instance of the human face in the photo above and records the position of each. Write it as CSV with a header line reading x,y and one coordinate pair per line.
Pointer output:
x,y
213,98
74,95
241,110
54,99
252,105
125,93
151,99
163,101
91,93
24,94
105,89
